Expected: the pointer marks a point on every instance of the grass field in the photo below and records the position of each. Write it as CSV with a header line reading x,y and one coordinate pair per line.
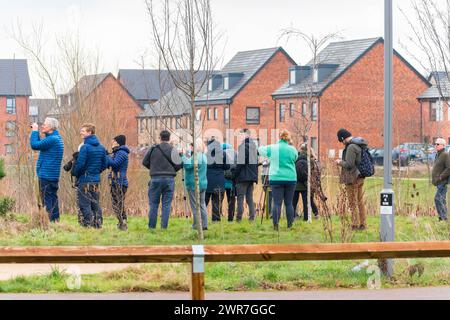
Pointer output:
x,y
224,276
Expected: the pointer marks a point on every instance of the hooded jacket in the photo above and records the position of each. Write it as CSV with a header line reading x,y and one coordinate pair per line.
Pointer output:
x,y
351,159
189,175
217,164
231,160
118,162
441,169
91,162
51,149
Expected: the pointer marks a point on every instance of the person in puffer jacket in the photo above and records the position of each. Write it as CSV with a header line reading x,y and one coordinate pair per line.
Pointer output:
x,y
118,163
91,162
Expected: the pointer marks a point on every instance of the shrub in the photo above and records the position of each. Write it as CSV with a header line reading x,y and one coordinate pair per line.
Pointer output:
x,y
6,206
2,169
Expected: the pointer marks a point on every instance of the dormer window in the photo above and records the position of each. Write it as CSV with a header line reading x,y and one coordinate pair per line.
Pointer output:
x,y
293,77
226,83
210,85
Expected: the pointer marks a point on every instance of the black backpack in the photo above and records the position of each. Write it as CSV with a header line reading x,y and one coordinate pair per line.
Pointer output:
x,y
367,166
301,166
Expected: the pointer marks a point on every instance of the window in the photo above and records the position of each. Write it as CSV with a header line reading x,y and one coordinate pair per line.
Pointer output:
x,y
198,115
436,111
11,105
253,115
292,110
146,106
9,149
208,113
226,83
216,113
282,112
141,127
304,109
10,128
226,115
178,123
314,144
314,112
292,77
210,85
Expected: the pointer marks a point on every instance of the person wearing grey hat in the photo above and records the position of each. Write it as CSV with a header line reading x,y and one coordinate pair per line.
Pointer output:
x,y
351,177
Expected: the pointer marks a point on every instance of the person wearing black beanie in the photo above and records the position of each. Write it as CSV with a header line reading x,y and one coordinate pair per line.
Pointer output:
x,y
118,163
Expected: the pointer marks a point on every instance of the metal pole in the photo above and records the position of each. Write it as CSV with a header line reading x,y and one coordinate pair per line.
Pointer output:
x,y
387,195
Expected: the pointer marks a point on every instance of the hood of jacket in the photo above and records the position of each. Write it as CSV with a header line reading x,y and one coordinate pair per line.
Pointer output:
x,y
92,140
122,148
360,142
226,146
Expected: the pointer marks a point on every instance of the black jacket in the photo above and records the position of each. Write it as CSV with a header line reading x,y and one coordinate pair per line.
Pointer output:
x,y
159,165
247,165
217,164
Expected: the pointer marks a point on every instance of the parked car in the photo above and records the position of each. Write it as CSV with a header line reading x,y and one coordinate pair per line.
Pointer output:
x,y
408,153
378,156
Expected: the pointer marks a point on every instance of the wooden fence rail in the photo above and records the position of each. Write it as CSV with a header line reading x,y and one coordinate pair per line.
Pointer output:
x,y
198,255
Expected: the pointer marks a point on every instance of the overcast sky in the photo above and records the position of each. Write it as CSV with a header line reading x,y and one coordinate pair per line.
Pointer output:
x,y
119,29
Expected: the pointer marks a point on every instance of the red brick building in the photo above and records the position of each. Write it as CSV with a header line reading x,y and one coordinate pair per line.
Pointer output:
x,y
345,89
15,91
239,96
434,103
104,101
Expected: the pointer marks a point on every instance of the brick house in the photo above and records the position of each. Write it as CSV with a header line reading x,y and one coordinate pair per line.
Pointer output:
x,y
15,92
434,103
345,89
39,108
239,95
102,100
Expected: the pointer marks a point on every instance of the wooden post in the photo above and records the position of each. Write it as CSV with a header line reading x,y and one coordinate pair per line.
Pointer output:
x,y
198,273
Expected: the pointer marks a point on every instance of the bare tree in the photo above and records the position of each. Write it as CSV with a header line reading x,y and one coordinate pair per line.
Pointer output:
x,y
184,37
302,128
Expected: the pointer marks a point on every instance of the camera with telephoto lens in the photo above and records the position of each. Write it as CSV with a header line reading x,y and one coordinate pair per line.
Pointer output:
x,y
68,167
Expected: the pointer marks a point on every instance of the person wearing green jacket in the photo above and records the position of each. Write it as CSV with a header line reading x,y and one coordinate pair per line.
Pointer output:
x,y
282,176
189,181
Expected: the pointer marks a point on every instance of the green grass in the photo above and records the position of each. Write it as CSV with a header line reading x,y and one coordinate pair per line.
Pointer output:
x,y
223,276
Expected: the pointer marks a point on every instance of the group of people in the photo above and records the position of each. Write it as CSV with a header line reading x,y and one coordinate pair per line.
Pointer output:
x,y
221,172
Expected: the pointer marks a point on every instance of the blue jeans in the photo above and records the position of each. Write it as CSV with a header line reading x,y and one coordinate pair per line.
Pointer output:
x,y
441,201
280,193
88,197
160,190
49,195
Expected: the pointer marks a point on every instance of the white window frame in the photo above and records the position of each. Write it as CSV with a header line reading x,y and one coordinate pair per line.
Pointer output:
x,y
226,115
226,83
316,75
198,115
292,77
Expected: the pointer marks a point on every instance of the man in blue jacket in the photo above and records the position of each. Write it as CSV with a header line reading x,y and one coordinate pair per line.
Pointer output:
x,y
48,167
118,162
91,162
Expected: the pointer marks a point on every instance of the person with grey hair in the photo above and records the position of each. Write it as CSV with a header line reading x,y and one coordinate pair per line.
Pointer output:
x,y
440,175
48,167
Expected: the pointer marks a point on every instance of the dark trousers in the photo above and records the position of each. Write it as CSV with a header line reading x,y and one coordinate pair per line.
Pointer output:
x,y
89,203
49,196
441,201
118,193
161,190
244,190
217,198
231,199
280,193
304,195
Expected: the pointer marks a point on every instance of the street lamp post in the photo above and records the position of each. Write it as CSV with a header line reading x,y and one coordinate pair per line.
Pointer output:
x,y
387,195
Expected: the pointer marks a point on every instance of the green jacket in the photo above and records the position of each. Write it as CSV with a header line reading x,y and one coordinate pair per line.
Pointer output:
x,y
189,177
441,169
282,158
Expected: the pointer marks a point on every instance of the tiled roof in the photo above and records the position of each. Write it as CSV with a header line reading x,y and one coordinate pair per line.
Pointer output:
x,y
247,63
14,78
343,53
440,88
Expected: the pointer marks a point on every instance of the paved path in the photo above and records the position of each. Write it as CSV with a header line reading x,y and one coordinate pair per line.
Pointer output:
x,y
440,293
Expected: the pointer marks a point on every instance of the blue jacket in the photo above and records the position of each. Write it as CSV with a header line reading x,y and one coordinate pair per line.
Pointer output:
x,y
189,177
51,149
217,164
231,160
118,162
91,162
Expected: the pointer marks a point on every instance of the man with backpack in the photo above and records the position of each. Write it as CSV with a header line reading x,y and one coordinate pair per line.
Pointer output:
x,y
356,164
440,175
164,162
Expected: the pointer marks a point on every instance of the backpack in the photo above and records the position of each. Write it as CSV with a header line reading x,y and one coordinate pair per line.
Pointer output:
x,y
301,166
367,166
